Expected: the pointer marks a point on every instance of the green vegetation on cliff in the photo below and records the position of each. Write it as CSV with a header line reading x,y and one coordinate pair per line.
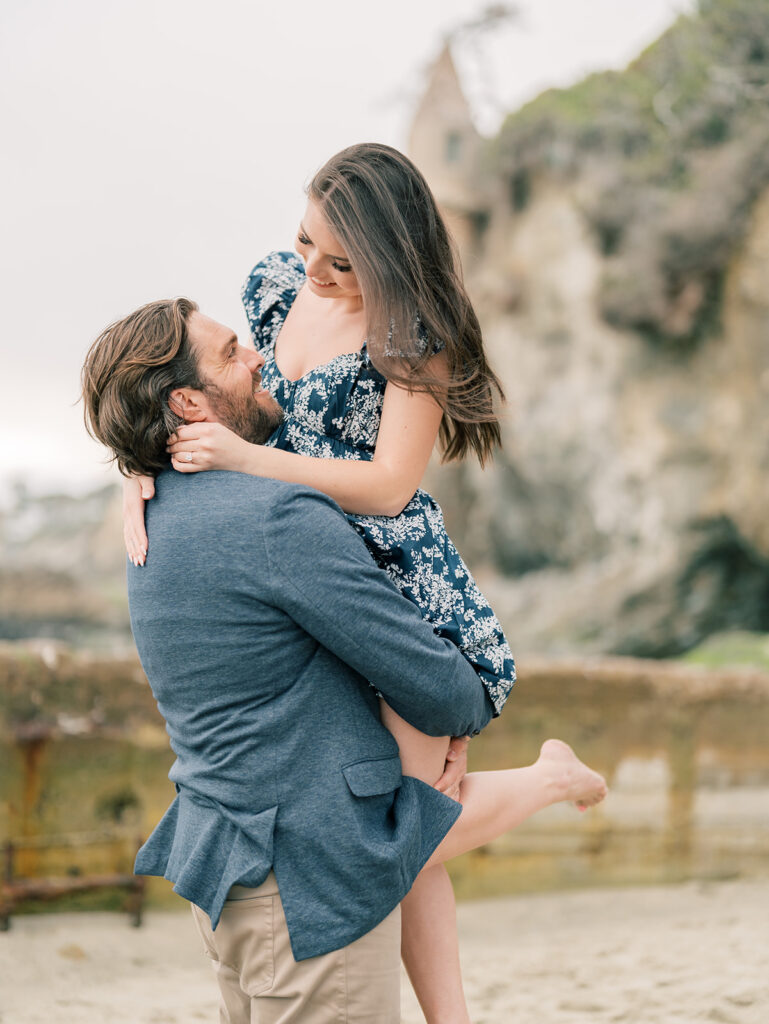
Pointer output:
x,y
670,155
734,649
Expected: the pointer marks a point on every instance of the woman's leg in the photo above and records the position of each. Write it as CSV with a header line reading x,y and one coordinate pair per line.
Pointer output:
x,y
493,802
429,943
430,947
496,802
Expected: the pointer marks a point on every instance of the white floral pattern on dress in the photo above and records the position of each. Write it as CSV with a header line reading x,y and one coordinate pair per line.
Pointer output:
x,y
333,412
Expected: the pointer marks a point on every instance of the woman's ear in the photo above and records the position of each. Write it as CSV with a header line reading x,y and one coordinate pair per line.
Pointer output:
x,y
188,404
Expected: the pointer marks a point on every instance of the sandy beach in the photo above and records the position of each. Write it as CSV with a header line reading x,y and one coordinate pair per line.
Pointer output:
x,y
684,953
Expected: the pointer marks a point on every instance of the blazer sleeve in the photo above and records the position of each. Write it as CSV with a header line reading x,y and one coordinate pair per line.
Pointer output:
x,y
322,575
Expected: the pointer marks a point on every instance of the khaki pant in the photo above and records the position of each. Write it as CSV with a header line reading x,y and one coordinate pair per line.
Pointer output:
x,y
261,983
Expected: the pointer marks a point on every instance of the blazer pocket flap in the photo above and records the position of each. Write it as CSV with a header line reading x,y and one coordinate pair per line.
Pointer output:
x,y
373,778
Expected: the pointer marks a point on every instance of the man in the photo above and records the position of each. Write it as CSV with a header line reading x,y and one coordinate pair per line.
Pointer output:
x,y
265,629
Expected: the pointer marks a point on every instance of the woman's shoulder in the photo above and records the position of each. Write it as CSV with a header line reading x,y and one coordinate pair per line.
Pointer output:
x,y
422,342
271,287
427,342
278,271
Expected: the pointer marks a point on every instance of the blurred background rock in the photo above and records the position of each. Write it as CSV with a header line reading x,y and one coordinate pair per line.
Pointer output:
x,y
615,238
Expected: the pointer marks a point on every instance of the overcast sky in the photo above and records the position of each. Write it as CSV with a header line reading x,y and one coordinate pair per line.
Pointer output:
x,y
159,147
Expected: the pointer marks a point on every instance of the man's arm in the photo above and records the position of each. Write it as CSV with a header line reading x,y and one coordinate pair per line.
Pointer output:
x,y
323,576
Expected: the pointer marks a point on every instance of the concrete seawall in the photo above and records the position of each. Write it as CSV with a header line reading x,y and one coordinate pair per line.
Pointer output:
x,y
84,757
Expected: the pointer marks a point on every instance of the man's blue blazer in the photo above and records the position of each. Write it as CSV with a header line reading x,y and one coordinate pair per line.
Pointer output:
x,y
263,626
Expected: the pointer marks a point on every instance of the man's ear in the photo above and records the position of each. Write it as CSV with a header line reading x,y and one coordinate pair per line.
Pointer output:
x,y
187,403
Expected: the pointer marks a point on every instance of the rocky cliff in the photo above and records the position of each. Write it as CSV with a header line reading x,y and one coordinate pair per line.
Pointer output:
x,y
622,280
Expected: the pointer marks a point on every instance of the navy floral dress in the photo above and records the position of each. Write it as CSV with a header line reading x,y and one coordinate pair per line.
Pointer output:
x,y
333,412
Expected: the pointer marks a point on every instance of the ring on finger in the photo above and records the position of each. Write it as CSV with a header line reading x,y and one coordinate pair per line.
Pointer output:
x,y
188,456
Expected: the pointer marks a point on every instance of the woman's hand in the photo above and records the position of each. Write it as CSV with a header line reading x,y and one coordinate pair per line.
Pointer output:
x,y
197,446
136,490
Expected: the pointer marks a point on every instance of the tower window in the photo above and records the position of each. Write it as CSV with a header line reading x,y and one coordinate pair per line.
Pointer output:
x,y
453,147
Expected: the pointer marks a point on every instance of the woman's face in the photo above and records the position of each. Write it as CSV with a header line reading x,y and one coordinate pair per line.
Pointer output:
x,y
328,270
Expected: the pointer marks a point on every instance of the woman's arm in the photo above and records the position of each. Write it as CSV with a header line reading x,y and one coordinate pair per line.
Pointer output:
x,y
382,486
136,491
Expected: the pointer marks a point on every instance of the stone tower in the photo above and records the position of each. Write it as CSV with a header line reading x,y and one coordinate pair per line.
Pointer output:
x,y
445,145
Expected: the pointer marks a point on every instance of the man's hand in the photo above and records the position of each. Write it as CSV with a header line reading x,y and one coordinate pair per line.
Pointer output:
x,y
455,768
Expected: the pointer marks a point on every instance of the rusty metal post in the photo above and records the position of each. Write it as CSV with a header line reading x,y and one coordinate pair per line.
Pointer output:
x,y
32,739
5,894
136,899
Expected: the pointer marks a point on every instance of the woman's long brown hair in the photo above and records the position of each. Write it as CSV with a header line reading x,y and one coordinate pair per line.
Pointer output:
x,y
382,211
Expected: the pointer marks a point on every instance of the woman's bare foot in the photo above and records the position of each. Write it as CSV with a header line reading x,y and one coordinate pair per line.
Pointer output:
x,y
570,778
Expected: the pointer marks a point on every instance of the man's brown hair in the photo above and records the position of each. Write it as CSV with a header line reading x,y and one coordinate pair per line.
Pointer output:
x,y
127,377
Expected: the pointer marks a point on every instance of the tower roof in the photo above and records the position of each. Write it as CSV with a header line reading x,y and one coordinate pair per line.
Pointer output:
x,y
443,99
443,141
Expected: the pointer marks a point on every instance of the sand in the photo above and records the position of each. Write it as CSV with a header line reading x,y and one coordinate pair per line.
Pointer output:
x,y
684,953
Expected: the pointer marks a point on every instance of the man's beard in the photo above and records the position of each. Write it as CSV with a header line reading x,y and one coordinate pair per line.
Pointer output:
x,y
252,420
